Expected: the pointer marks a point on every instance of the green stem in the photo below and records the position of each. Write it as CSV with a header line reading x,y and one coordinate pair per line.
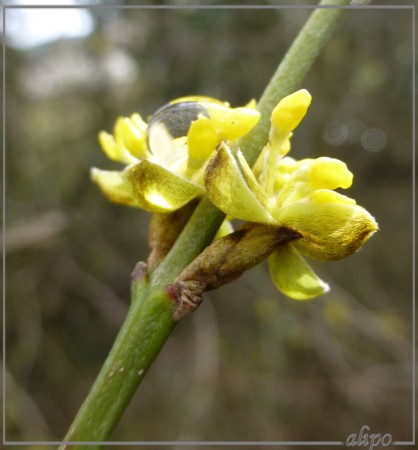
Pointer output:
x,y
146,328
197,234
149,320
291,71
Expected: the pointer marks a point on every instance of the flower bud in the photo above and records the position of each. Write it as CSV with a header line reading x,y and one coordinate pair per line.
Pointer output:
x,y
290,111
224,261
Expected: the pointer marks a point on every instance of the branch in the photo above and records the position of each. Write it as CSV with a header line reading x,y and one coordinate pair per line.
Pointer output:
x,y
149,321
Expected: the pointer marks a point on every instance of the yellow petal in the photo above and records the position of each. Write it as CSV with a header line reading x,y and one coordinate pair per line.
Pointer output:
x,y
292,275
252,104
290,111
112,150
225,229
331,225
284,171
228,190
157,189
251,180
118,132
233,123
202,140
308,175
199,99
285,146
327,196
168,151
139,124
133,137
260,164
329,173
291,192
114,185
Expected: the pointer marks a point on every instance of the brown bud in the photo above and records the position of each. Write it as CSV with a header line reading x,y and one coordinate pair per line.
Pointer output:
x,y
164,230
225,260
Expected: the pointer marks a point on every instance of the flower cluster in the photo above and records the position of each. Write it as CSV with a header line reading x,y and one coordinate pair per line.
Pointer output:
x,y
166,159
188,149
297,195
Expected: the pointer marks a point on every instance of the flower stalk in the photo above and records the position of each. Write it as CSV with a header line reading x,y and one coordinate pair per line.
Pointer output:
x,y
150,320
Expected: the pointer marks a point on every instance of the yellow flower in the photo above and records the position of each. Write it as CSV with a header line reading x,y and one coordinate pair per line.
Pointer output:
x,y
297,195
166,158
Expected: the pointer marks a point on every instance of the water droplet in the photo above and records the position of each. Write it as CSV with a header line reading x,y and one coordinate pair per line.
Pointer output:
x,y
174,120
373,140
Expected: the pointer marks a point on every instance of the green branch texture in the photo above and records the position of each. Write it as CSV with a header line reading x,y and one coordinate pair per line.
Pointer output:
x,y
149,320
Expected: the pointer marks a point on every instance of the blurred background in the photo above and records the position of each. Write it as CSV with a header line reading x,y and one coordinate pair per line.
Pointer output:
x,y
250,364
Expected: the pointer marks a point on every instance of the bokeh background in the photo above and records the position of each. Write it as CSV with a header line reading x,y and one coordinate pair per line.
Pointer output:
x,y
250,364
